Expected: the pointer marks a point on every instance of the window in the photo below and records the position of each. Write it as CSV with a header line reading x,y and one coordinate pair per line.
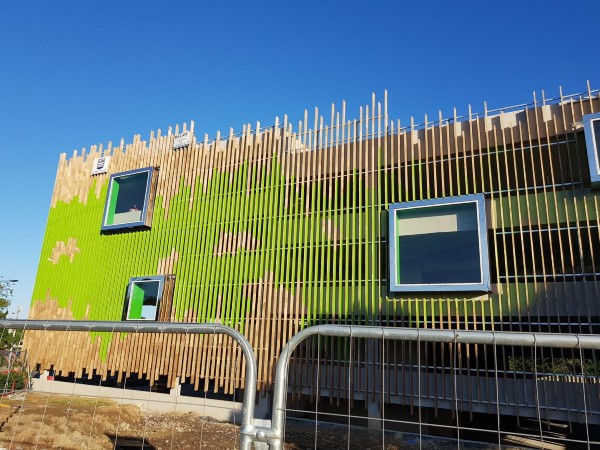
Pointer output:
x,y
143,298
439,245
128,200
591,125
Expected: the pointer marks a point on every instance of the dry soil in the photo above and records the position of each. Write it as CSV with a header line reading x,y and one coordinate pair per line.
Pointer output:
x,y
48,421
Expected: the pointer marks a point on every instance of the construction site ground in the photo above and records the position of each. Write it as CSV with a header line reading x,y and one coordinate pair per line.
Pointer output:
x,y
33,420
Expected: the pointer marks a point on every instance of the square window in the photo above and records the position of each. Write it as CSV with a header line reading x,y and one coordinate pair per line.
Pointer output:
x,y
591,126
128,200
143,298
439,245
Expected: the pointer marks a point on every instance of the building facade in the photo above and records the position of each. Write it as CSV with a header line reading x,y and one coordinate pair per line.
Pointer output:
x,y
487,221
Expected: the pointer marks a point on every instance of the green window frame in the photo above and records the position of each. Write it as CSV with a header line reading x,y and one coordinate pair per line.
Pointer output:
x,y
144,296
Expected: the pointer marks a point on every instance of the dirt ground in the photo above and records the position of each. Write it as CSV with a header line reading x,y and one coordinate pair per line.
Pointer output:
x,y
42,421
49,421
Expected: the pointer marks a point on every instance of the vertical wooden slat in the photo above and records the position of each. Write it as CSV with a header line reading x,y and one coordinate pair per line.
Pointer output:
x,y
533,117
318,214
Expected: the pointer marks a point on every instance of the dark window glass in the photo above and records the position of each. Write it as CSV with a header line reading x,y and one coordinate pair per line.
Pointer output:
x,y
438,245
596,129
143,300
127,199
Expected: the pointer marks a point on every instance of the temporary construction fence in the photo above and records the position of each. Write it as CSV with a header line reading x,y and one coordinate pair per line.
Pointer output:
x,y
575,394
162,328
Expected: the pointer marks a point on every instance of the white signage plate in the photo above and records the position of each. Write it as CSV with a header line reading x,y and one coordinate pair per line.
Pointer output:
x,y
182,140
100,165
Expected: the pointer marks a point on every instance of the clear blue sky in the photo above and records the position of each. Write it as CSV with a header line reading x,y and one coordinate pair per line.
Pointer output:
x,y
76,73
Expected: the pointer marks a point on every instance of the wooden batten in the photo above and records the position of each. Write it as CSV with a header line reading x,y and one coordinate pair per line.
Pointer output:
x,y
277,228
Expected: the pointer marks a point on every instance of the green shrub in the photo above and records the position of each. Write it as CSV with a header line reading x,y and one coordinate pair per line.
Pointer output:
x,y
15,379
563,366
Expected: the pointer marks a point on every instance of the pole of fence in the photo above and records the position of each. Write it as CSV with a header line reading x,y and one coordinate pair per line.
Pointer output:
x,y
162,327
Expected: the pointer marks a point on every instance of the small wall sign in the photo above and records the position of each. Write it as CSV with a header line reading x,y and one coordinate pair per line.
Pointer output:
x,y
100,165
182,140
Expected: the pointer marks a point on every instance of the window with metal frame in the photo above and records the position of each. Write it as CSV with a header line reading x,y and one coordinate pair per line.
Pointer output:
x,y
439,245
144,296
591,126
128,201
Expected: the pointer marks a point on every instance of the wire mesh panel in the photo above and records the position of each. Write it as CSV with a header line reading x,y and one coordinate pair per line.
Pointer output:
x,y
369,387
121,410
441,389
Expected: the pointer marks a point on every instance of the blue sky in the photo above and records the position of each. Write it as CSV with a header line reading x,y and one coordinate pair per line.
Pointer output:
x,y
74,74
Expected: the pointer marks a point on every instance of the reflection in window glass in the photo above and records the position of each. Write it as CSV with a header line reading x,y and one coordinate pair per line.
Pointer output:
x,y
591,128
127,199
596,132
438,245
143,300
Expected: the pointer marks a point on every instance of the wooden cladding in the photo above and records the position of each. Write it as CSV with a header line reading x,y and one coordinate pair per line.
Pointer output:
x,y
279,228
166,312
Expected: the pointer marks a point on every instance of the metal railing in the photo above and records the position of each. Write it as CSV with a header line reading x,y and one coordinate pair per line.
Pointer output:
x,y
274,435
162,327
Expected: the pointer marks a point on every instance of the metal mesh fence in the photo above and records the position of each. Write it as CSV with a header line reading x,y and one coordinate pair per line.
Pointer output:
x,y
355,387
118,411
535,390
